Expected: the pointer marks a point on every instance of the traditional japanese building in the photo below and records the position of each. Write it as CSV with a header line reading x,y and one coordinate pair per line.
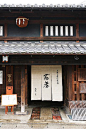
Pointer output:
x,y
43,53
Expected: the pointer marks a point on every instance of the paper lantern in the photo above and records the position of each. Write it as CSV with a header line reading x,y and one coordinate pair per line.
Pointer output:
x,y
21,21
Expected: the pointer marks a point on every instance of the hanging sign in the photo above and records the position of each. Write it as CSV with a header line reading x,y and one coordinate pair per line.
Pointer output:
x,y
21,21
57,89
36,83
46,83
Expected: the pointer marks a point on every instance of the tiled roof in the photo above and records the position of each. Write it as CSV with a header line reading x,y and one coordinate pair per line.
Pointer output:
x,y
45,6
63,48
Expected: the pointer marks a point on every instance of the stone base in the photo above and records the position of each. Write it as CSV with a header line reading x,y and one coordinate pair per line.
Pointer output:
x,y
21,113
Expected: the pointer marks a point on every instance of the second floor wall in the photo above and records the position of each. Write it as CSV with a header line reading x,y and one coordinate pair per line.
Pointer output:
x,y
66,25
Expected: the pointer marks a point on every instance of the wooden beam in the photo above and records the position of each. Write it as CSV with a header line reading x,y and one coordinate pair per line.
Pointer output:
x,y
39,38
22,88
46,21
45,14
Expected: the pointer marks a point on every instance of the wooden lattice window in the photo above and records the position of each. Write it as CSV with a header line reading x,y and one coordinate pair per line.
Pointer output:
x,y
78,85
59,30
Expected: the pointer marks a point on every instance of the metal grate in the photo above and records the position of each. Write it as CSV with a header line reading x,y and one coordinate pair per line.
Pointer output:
x,y
78,113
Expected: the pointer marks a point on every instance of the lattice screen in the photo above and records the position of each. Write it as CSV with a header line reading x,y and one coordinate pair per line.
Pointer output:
x,y
78,87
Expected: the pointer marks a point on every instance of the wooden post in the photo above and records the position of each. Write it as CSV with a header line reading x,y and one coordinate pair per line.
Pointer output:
x,y
77,32
69,82
41,31
22,88
5,31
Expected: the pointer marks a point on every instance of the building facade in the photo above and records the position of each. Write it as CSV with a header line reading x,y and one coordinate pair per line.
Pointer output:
x,y
46,59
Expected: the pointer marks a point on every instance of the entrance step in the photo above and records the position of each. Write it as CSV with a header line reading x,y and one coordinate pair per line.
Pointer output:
x,y
46,114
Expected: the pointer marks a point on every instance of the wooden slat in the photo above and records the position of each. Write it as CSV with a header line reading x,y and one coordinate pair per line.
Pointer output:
x,y
22,88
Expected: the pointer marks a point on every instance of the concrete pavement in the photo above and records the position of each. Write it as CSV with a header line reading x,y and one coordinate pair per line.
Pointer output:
x,y
24,122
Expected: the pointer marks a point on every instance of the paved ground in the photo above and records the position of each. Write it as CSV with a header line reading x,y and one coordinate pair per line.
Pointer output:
x,y
41,126
24,122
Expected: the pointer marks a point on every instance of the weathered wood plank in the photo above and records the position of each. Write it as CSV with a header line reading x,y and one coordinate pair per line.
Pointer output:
x,y
37,38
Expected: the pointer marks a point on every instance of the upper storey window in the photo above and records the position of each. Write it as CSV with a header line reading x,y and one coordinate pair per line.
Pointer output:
x,y
59,30
1,30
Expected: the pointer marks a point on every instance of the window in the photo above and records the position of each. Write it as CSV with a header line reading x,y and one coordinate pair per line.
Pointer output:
x,y
1,30
59,30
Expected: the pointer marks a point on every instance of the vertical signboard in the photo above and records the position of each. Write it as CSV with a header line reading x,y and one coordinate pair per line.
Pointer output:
x,y
36,83
46,83
57,94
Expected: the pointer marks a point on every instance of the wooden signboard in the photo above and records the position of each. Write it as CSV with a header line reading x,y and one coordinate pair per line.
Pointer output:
x,y
9,100
81,74
82,87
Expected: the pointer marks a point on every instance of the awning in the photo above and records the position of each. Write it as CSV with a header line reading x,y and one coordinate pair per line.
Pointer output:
x,y
48,47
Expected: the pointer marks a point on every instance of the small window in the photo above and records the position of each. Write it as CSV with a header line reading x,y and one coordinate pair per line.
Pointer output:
x,y
61,30
66,30
51,30
71,30
46,30
1,30
56,31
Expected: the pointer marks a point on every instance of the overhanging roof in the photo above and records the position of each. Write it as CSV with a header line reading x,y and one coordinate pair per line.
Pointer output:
x,y
47,48
44,6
